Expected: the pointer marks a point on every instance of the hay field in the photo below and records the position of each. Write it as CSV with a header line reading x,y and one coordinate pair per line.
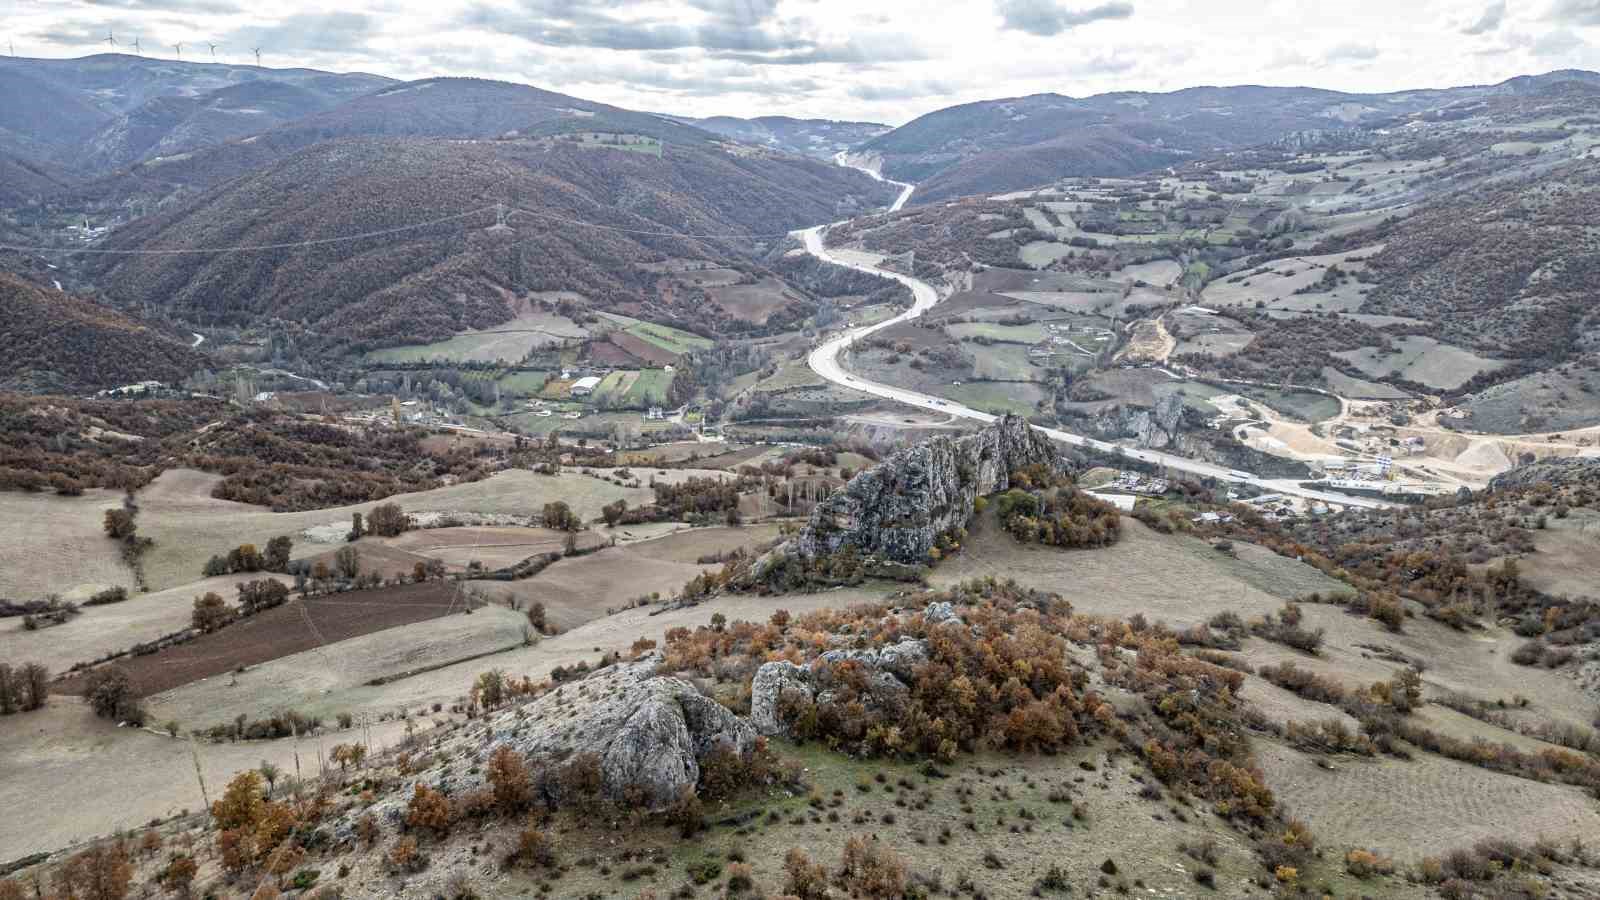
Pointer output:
x,y
1136,574
100,630
1423,360
1428,805
57,545
314,681
1287,276
1567,560
583,588
189,526
494,546
509,342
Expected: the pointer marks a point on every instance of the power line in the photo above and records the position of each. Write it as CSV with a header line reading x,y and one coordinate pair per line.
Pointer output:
x,y
178,251
583,224
502,214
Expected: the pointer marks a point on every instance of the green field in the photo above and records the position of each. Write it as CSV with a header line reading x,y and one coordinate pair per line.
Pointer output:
x,y
669,339
1016,334
1304,405
634,389
523,384
1002,362
997,397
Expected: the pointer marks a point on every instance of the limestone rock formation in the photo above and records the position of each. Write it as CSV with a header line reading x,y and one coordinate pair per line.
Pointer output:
x,y
650,732
891,671
896,510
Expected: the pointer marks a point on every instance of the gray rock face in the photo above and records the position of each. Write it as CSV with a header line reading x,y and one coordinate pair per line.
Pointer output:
x,y
896,510
772,681
891,670
650,732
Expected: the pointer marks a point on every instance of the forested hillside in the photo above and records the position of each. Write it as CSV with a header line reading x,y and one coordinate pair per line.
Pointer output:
x,y
54,341
99,112
426,284
1021,142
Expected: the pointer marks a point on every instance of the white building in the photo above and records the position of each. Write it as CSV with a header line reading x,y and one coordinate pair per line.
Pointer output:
x,y
585,386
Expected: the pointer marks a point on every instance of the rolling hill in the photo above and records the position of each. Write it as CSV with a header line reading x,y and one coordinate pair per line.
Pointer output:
x,y
99,112
1000,145
821,138
53,341
435,107
427,284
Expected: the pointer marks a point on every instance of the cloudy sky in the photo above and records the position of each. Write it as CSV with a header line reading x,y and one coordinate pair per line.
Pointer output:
x,y
878,60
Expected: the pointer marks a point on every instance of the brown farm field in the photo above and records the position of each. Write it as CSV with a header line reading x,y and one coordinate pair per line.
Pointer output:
x,y
189,526
301,624
66,531
494,546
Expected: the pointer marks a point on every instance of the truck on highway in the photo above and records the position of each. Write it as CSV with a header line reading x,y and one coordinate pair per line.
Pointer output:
x,y
1235,473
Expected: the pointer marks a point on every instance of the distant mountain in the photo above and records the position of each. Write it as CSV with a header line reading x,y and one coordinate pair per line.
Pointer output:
x,y
821,138
434,107
99,112
427,284
55,341
1001,145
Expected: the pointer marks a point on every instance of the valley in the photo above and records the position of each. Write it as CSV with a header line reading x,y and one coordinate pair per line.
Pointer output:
x,y
455,488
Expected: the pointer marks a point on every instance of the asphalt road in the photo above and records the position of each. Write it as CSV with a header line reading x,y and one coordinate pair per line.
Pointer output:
x,y
824,360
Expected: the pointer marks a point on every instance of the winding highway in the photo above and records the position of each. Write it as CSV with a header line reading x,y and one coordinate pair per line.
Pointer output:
x,y
824,360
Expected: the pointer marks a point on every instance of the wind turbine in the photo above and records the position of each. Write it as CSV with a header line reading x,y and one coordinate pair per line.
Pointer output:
x,y
111,39
213,50
178,48
136,47
257,52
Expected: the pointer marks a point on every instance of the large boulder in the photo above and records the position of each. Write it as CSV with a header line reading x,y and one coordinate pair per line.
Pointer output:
x,y
650,732
896,510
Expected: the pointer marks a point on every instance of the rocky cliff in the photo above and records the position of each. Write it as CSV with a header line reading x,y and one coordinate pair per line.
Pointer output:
x,y
650,734
896,510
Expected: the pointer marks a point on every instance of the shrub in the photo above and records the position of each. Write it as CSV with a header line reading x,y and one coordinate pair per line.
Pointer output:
x,y
1362,863
179,873
870,869
404,857
111,693
534,848
508,776
802,877
430,809
108,596
210,612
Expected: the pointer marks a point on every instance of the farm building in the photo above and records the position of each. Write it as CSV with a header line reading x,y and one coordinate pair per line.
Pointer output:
x,y
585,386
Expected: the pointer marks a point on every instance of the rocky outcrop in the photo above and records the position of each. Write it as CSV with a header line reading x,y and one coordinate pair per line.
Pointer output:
x,y
891,671
896,510
651,733
1558,472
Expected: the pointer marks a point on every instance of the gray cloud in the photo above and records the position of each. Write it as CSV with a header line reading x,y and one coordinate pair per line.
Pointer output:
x,y
1576,12
1490,21
1350,53
339,32
734,31
1556,43
1047,18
